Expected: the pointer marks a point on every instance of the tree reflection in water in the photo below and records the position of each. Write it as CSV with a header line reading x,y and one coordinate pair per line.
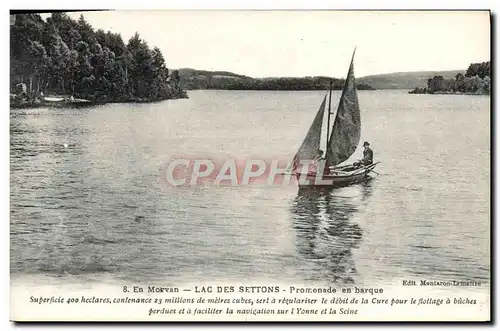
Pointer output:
x,y
326,234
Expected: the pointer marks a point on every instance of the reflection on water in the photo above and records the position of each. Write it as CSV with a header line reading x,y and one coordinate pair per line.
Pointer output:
x,y
87,199
326,234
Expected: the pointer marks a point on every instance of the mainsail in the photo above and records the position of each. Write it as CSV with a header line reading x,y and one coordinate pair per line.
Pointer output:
x,y
310,146
346,130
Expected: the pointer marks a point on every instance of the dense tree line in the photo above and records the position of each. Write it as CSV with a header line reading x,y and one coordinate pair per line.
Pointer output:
x,y
238,82
64,56
477,80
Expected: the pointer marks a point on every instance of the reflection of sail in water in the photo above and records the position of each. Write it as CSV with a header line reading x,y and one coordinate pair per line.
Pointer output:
x,y
326,235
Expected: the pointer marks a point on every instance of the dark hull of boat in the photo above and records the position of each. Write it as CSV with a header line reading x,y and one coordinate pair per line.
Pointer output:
x,y
333,181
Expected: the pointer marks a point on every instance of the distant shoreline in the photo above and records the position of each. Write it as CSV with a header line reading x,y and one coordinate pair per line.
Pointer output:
x,y
77,103
192,79
274,89
475,81
448,93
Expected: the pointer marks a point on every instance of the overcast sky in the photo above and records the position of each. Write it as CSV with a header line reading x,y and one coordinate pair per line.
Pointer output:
x,y
307,43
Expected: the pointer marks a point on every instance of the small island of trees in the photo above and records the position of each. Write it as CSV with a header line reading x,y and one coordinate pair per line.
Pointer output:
x,y
64,57
477,80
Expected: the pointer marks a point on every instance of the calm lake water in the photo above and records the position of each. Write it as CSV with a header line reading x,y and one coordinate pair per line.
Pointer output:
x,y
99,208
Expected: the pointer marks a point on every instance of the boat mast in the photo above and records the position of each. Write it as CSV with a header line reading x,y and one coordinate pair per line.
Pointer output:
x,y
329,114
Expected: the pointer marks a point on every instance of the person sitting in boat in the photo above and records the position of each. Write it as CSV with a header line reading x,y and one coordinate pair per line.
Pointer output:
x,y
319,155
367,156
315,162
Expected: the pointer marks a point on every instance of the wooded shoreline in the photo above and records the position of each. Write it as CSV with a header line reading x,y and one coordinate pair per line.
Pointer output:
x,y
62,56
476,81
77,103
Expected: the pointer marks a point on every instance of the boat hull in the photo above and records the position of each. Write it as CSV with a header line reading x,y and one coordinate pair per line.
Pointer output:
x,y
337,180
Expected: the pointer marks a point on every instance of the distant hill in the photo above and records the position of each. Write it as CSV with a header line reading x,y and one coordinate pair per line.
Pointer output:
x,y
193,79
405,80
188,72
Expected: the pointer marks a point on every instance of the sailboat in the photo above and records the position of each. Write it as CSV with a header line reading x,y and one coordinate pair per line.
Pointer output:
x,y
341,143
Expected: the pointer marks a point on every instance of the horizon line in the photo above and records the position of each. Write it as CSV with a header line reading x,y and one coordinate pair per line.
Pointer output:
x,y
326,76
